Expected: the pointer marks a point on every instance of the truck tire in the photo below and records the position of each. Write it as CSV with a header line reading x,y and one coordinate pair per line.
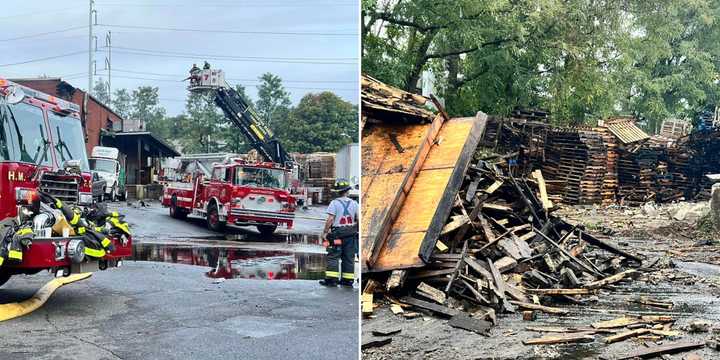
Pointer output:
x,y
266,230
213,218
4,277
175,211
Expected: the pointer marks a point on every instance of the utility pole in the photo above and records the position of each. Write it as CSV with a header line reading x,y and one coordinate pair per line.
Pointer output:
x,y
90,45
108,63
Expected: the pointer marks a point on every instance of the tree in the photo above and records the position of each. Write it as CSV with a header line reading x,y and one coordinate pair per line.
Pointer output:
x,y
273,101
202,128
122,103
581,59
101,92
320,122
146,107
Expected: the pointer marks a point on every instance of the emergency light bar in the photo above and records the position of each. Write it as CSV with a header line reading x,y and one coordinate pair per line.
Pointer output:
x,y
62,105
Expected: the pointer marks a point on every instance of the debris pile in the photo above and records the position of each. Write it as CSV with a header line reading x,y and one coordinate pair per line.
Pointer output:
x,y
503,251
379,100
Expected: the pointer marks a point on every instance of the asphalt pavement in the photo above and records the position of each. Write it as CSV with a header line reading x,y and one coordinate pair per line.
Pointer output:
x,y
167,310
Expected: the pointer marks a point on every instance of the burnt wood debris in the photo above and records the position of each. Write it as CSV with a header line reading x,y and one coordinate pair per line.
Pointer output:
x,y
503,250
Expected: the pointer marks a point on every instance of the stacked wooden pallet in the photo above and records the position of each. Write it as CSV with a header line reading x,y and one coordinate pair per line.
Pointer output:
x,y
576,165
610,181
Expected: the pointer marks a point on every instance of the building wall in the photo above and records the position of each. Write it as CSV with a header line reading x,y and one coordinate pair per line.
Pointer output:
x,y
97,117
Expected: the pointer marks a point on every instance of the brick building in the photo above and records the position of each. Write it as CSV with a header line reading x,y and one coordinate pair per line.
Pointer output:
x,y
95,115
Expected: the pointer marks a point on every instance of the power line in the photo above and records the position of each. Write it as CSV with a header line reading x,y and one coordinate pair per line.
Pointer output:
x,y
193,57
45,33
227,31
233,56
244,79
45,58
35,13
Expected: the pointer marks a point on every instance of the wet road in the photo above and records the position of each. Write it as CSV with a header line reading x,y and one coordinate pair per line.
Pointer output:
x,y
192,293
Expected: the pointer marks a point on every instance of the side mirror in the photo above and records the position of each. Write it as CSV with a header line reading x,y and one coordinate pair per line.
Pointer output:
x,y
95,176
71,166
15,94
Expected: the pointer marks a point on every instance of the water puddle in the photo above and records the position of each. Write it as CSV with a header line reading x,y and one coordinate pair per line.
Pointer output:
x,y
699,269
263,261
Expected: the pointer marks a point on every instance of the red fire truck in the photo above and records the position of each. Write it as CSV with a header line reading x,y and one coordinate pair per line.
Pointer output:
x,y
42,148
238,192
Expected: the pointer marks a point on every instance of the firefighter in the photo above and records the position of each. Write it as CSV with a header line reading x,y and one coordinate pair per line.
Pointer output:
x,y
341,237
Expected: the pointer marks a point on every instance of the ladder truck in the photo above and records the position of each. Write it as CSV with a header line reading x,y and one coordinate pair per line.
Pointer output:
x,y
238,192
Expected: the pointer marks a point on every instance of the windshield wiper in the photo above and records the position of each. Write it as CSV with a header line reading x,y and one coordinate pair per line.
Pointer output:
x,y
24,155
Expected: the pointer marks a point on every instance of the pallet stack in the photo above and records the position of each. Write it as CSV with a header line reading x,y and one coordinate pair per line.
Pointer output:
x,y
320,172
577,166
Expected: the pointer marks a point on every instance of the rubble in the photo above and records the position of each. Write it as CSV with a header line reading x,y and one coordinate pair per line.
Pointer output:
x,y
506,252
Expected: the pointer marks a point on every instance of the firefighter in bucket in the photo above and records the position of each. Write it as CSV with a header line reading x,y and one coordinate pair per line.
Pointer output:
x,y
340,237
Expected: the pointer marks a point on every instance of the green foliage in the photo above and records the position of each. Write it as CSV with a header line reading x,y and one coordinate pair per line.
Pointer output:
x,y
146,107
320,122
100,92
273,100
122,103
581,59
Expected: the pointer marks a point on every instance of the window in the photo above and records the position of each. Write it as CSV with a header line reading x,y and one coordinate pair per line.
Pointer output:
x,y
23,136
261,177
69,139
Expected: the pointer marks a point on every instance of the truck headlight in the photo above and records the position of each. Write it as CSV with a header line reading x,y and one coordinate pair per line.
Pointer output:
x,y
85,198
76,251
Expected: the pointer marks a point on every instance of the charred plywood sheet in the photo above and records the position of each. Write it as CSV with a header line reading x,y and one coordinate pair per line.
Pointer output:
x,y
392,156
415,230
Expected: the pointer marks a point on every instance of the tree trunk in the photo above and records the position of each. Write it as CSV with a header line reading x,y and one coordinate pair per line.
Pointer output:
x,y
419,61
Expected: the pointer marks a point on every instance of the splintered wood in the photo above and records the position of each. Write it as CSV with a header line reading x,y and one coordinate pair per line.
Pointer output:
x,y
504,251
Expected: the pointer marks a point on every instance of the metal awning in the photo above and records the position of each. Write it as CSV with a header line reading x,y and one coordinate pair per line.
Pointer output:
x,y
163,148
626,130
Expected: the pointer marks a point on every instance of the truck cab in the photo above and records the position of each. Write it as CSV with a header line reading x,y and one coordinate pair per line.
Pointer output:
x,y
42,148
106,162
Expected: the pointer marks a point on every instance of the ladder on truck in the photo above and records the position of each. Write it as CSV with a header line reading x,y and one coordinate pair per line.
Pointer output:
x,y
235,107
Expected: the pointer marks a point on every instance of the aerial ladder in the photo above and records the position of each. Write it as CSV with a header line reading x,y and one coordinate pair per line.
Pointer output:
x,y
236,108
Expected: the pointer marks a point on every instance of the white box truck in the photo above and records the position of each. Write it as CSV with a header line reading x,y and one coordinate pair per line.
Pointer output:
x,y
108,163
347,166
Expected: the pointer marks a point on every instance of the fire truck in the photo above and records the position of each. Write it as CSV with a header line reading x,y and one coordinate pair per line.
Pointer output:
x,y
42,149
238,192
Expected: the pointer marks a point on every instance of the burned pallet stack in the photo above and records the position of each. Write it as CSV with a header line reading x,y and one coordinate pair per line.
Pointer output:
x,y
577,165
637,170
501,248
320,173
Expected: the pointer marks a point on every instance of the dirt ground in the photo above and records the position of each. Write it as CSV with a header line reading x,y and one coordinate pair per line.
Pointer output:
x,y
685,271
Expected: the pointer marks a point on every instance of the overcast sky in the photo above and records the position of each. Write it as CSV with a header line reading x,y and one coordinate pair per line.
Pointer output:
x,y
311,44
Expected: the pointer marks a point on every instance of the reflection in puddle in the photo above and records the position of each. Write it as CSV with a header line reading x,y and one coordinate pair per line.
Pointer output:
x,y
231,263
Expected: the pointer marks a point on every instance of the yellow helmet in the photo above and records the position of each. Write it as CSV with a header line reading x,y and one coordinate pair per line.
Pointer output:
x,y
341,185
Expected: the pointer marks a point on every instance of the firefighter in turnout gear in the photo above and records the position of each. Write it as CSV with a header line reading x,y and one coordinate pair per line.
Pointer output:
x,y
341,237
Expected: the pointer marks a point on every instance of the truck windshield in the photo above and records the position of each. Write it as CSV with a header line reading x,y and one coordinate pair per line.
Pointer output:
x,y
22,134
103,165
69,140
260,177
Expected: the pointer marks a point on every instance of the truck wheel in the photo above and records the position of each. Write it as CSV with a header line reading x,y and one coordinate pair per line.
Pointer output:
x,y
266,230
4,277
175,211
213,219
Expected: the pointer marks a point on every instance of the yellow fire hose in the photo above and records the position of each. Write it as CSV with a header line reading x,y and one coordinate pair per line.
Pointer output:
x,y
13,310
